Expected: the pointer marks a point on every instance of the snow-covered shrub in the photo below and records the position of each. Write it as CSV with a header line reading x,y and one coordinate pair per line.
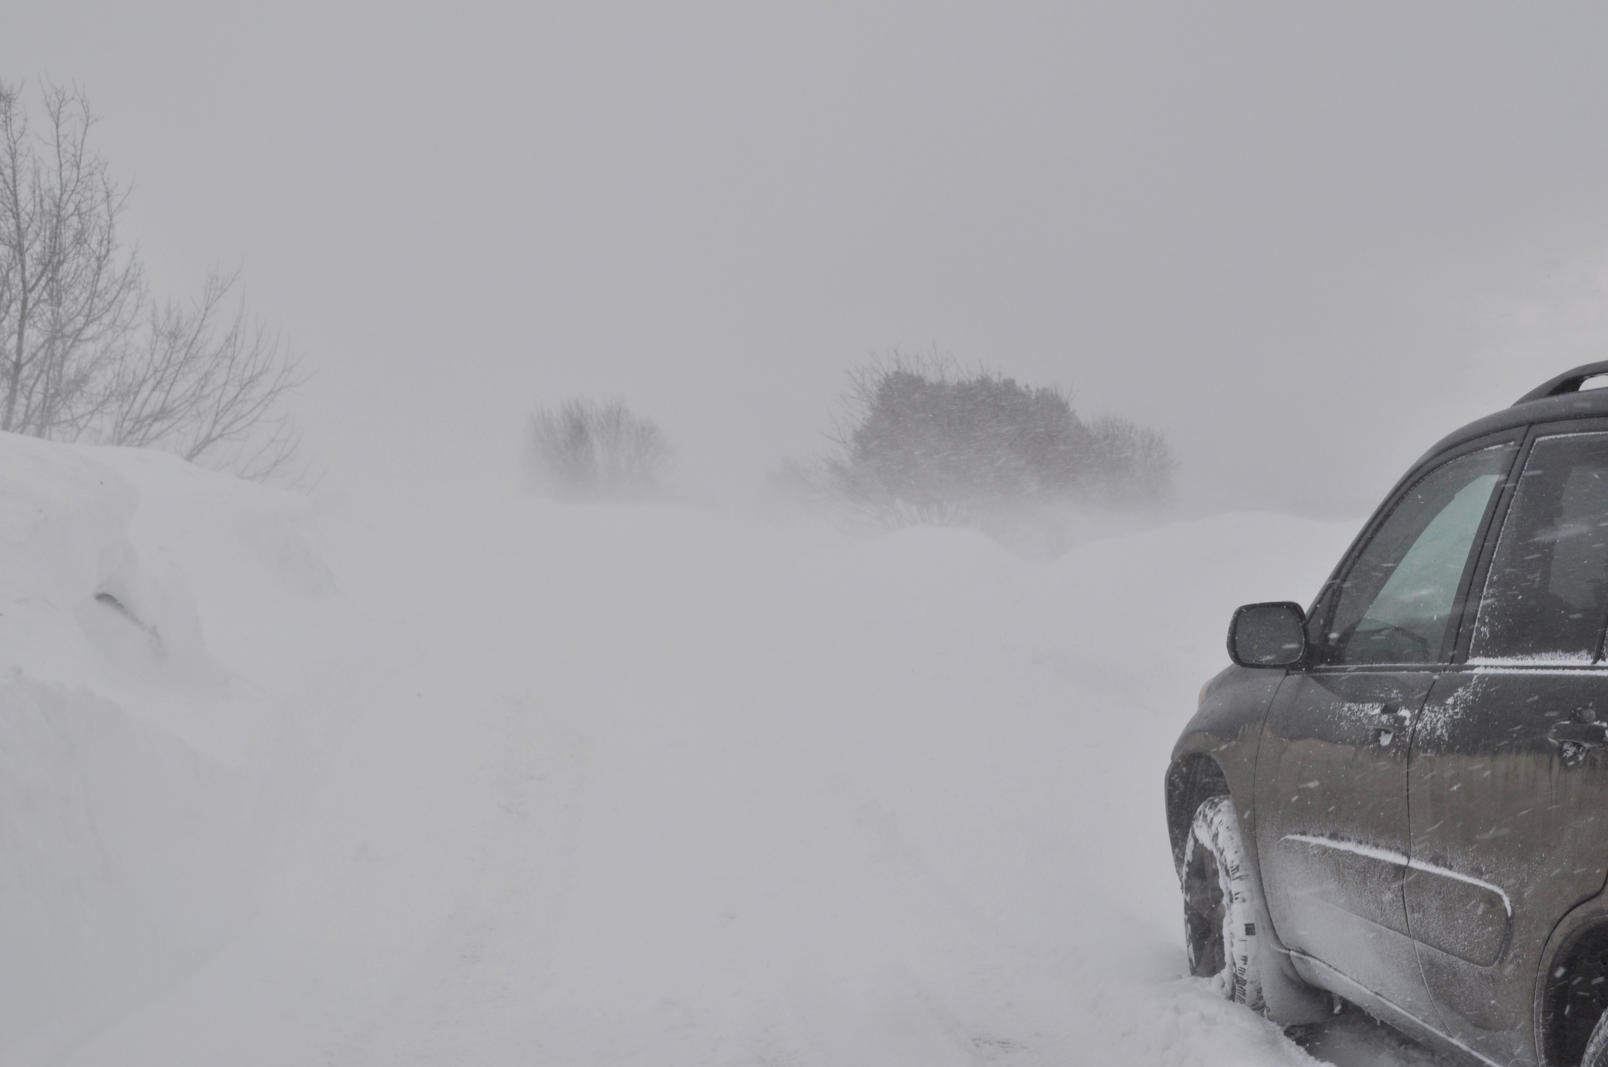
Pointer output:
x,y
1130,464
922,442
586,447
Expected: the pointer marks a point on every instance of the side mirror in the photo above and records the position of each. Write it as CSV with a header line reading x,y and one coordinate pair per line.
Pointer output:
x,y
1268,635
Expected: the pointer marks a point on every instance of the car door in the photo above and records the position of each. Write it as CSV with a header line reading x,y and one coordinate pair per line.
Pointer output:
x,y
1508,777
1331,812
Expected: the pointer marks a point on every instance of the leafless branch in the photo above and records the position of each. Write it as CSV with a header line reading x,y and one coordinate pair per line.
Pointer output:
x,y
85,352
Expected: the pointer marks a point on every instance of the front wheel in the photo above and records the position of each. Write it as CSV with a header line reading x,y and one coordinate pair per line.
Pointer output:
x,y
1221,904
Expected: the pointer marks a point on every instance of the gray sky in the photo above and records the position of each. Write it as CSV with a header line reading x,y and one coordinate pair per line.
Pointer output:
x,y
1305,241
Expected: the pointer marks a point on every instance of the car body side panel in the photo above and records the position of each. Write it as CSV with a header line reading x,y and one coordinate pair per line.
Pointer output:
x,y
1332,830
1227,728
1508,836
1323,976
1227,731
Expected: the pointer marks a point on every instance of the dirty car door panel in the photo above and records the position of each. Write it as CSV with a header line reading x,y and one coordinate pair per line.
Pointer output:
x,y
1508,776
1332,779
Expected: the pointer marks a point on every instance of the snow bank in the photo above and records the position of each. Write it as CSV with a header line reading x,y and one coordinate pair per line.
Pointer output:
x,y
127,798
526,783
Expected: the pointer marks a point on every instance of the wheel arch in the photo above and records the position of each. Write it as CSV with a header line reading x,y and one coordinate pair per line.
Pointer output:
x,y
1195,774
1571,989
1192,779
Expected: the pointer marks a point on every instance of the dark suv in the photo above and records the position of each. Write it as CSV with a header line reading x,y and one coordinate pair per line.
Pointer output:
x,y
1400,796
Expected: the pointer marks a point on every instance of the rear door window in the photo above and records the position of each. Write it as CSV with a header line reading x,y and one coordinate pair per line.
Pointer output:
x,y
1546,599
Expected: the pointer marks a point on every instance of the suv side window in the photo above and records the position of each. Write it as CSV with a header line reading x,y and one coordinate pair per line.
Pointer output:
x,y
1547,595
1397,601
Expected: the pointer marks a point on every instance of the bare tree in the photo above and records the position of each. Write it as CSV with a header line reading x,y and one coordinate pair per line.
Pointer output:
x,y
206,383
68,290
590,447
85,352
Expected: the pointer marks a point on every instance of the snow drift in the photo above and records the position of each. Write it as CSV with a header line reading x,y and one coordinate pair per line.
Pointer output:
x,y
128,749
470,781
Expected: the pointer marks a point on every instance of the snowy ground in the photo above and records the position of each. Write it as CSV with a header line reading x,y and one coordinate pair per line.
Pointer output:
x,y
494,782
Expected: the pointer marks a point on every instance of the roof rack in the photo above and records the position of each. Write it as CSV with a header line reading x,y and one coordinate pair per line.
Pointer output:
x,y
1567,382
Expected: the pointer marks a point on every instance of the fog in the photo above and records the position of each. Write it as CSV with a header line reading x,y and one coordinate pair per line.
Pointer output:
x,y
418,768
1304,242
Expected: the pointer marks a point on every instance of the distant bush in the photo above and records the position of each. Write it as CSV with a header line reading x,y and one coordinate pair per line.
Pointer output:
x,y
586,447
922,442
1130,464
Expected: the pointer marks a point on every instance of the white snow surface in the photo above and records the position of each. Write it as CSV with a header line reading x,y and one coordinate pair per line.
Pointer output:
x,y
469,781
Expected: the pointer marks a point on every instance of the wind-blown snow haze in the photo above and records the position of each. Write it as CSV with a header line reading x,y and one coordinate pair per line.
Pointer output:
x,y
773,480
1240,222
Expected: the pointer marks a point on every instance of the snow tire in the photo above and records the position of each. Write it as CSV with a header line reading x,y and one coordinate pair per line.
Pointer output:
x,y
1222,902
1596,1054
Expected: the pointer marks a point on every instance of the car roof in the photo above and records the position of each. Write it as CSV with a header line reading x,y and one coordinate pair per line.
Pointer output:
x,y
1556,399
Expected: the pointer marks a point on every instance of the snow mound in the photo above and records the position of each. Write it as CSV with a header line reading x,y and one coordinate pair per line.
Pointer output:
x,y
479,782
126,801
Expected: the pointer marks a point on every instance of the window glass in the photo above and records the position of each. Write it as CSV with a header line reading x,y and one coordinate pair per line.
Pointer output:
x,y
1547,595
1398,599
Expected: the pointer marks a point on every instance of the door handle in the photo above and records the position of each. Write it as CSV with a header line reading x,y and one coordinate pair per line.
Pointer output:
x,y
1574,739
1392,720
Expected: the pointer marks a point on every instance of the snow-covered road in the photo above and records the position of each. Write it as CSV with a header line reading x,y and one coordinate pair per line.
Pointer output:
x,y
509,782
